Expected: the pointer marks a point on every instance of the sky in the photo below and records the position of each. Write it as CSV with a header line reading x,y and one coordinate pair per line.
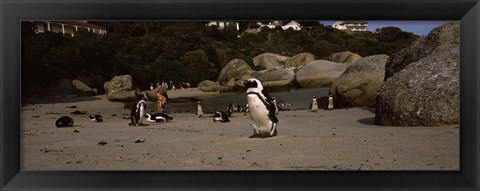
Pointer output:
x,y
417,27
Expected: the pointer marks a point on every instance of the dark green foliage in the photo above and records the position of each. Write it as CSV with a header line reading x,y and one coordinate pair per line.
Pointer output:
x,y
153,51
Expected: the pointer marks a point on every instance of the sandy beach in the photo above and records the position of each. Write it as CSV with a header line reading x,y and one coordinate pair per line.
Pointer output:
x,y
343,139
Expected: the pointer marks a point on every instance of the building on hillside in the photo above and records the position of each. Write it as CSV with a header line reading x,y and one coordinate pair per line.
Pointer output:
x,y
68,27
223,24
351,25
292,24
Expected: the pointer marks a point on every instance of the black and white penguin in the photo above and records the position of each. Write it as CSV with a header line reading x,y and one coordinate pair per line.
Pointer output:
x,y
261,109
283,106
158,117
314,104
220,116
137,113
230,110
96,118
240,108
64,121
330,102
275,103
199,110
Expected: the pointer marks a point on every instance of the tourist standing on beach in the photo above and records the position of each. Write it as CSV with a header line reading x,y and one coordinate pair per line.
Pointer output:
x,y
137,112
161,100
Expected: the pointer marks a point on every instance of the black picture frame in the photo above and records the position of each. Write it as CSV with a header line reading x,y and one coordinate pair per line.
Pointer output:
x,y
12,12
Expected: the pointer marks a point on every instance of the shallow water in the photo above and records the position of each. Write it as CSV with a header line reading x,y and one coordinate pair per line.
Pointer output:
x,y
298,98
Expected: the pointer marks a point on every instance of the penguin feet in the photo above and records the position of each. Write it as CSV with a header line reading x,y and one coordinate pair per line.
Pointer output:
x,y
254,136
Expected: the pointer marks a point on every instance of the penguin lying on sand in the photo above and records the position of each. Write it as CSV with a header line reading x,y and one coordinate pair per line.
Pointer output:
x,y
158,117
221,116
64,121
96,118
262,109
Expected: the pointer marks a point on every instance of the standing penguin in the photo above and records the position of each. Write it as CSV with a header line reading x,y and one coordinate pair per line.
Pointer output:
x,y
230,110
314,104
199,110
275,103
330,102
138,112
261,109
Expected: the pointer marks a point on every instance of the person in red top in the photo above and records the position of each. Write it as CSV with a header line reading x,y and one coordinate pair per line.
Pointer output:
x,y
161,100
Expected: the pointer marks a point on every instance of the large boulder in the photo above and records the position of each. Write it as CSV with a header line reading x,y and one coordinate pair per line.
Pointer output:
x,y
424,93
359,84
208,86
344,57
442,37
319,73
83,89
277,79
269,60
299,60
230,86
237,69
121,88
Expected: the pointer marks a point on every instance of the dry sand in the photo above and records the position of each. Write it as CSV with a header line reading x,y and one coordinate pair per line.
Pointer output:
x,y
343,139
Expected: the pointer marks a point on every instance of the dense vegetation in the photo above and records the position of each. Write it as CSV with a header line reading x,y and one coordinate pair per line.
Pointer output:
x,y
181,51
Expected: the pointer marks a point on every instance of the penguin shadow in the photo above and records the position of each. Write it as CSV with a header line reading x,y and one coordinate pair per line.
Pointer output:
x,y
367,121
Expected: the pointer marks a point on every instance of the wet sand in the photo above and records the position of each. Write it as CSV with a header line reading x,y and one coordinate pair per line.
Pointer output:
x,y
344,139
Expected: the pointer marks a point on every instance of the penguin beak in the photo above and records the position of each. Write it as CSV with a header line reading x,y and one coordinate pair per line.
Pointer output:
x,y
241,82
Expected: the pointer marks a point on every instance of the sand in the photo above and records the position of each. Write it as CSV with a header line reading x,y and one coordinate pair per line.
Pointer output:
x,y
343,139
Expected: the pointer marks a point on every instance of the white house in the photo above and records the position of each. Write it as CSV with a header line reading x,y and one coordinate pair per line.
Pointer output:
x,y
68,27
351,25
223,24
292,24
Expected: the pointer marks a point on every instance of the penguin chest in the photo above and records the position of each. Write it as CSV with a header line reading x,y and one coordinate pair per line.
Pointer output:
x,y
258,111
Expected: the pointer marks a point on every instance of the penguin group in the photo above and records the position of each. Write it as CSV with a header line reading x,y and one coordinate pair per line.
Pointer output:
x,y
221,116
96,118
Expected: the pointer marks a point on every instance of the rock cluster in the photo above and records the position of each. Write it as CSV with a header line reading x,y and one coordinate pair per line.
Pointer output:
x,y
121,88
359,84
422,84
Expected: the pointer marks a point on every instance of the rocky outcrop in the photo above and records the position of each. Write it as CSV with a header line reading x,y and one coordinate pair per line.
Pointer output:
x,y
236,69
269,60
277,79
230,86
344,57
208,86
425,92
440,38
299,60
82,88
319,73
121,88
359,84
